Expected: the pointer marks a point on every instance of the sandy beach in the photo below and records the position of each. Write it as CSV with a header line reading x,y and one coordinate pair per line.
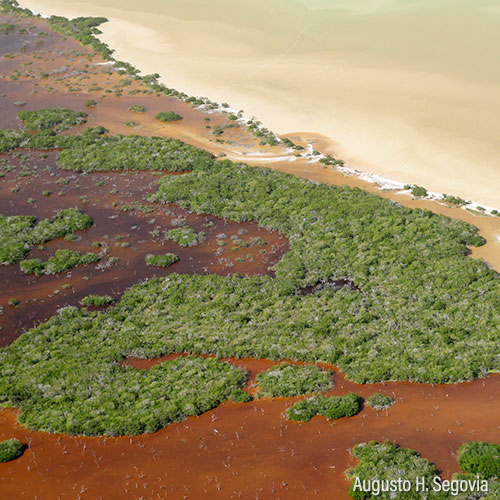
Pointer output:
x,y
397,92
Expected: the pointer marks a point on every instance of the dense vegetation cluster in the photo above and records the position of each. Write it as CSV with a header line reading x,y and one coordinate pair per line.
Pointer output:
x,y
380,401
286,380
480,458
103,398
421,309
11,449
93,151
163,260
18,233
137,108
82,29
63,260
43,119
454,200
331,407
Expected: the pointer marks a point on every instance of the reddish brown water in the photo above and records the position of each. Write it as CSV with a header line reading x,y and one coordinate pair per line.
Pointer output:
x,y
41,297
251,450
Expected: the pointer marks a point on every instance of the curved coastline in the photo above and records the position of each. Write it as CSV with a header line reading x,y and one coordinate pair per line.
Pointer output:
x,y
147,43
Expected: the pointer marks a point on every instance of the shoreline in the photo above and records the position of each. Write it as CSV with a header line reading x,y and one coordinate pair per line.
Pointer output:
x,y
143,48
111,35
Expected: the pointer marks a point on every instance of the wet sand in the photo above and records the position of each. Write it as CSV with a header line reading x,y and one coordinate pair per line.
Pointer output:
x,y
399,91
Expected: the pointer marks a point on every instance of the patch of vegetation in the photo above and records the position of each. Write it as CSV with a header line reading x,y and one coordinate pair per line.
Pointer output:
x,y
11,449
417,191
91,103
480,458
97,300
164,260
332,407
286,380
454,200
84,30
132,153
331,160
289,144
387,461
11,6
380,401
168,116
217,130
63,260
184,236
18,233
43,119
137,108
94,151
262,133
123,400
7,27
131,124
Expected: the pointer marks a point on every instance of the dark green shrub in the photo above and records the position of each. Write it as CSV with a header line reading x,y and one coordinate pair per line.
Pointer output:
x,y
454,200
217,130
11,449
304,410
331,160
334,407
480,458
168,116
137,108
418,191
285,380
331,407
33,266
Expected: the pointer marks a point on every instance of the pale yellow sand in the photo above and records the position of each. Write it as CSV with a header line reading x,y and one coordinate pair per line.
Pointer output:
x,y
411,93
